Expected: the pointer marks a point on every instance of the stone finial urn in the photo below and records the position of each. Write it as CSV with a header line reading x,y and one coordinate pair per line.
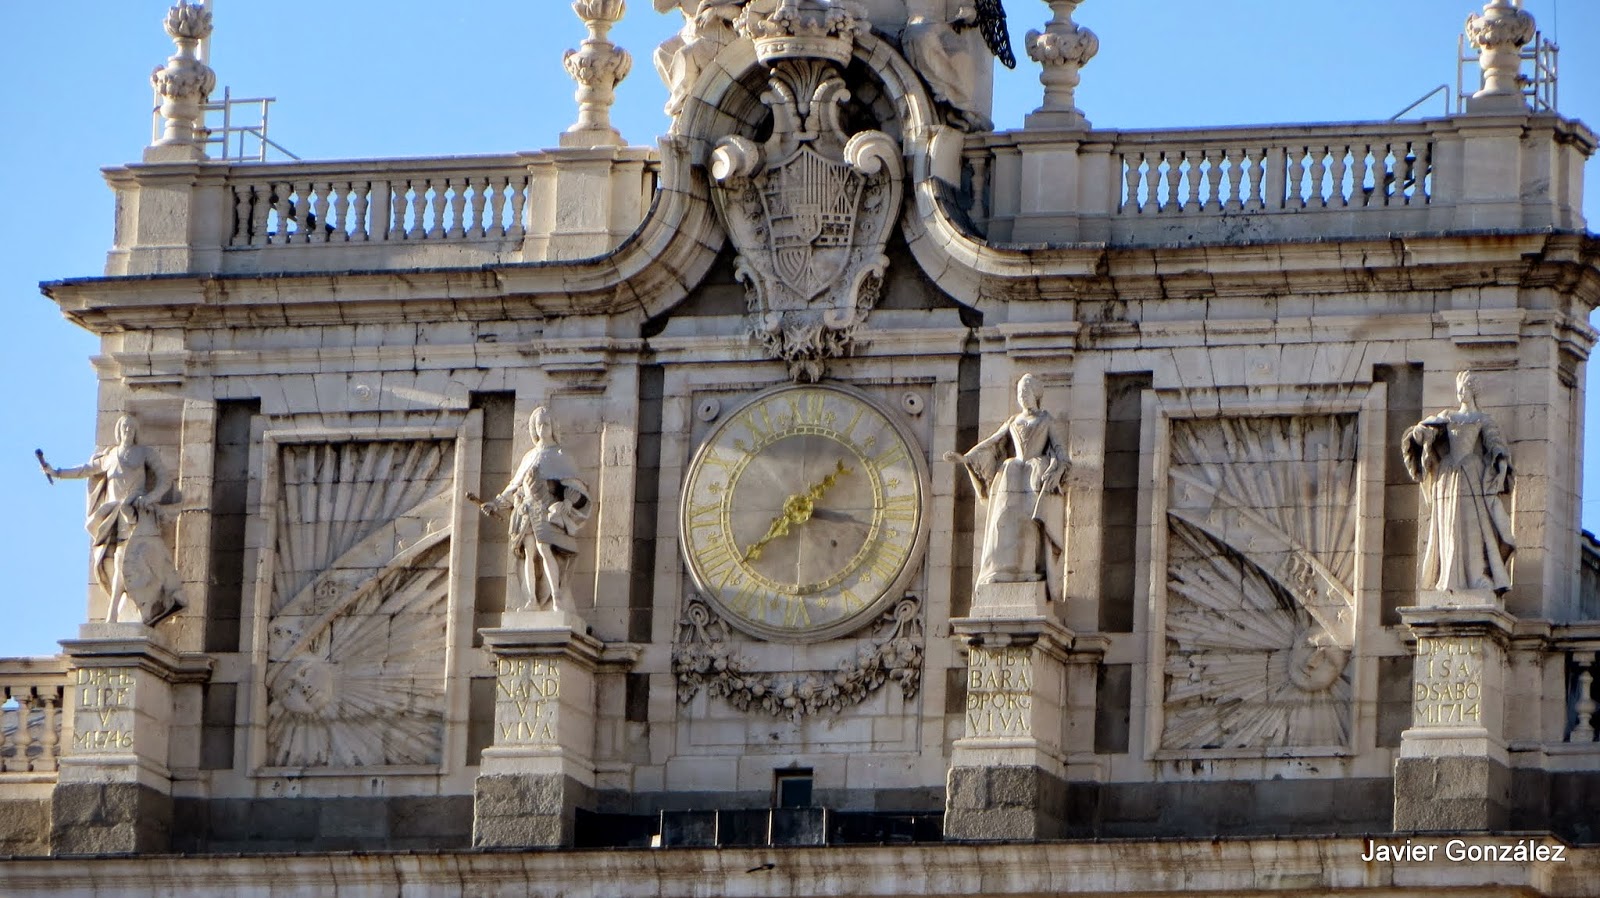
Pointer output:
x,y
184,83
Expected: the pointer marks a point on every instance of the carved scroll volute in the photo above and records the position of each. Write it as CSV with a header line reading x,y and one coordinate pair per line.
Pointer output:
x,y
810,209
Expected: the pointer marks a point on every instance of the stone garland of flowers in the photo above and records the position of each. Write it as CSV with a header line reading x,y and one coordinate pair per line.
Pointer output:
x,y
704,658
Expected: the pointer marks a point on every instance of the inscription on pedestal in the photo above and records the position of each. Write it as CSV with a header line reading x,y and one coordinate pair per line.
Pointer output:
x,y
1448,684
999,692
526,696
103,702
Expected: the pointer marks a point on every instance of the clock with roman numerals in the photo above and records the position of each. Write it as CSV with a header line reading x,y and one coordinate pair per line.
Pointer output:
x,y
803,513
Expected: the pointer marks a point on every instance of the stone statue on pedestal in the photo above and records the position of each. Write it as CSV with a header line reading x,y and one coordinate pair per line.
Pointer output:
x,y
1017,472
707,28
132,563
1464,466
548,505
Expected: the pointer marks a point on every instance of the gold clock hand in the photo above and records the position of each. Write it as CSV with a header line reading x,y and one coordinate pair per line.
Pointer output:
x,y
797,509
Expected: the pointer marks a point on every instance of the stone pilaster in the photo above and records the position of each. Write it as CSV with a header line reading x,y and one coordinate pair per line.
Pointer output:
x,y
1007,778
540,769
1452,774
114,794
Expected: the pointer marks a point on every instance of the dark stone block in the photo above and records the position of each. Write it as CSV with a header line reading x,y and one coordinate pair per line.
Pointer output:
x,y
75,803
25,827
289,820
967,788
109,818
509,809
1005,803
359,819
1451,795
446,819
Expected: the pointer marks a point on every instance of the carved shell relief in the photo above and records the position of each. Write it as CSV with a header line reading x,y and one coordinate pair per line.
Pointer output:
x,y
359,586
1260,609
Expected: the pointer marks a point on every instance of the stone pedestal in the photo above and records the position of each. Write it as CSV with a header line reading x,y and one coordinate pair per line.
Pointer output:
x,y
540,769
1007,777
1452,774
114,793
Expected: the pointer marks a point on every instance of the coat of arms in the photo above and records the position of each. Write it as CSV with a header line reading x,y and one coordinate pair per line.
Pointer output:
x,y
809,211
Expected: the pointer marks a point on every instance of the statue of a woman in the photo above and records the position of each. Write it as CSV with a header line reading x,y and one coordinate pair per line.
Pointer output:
x,y
1017,472
1464,466
131,560
548,505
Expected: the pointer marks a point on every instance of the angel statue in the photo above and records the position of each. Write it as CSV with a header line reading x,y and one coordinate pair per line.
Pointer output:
x,y
1464,466
1017,472
548,505
944,58
127,485
707,28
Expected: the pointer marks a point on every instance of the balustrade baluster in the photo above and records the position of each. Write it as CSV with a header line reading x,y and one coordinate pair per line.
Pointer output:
x,y
341,212
980,186
1132,178
1319,176
1314,171
360,229
477,210
436,205
1364,180
1181,190
1583,731
519,202
414,225
458,207
417,226
498,188
241,216
1341,195
318,213
278,224
29,740
52,747
1236,162
1212,196
7,743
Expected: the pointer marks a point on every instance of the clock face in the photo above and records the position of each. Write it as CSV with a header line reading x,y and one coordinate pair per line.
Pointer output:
x,y
802,513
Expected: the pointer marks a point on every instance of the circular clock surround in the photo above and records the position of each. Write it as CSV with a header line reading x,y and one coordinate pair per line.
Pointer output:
x,y
802,512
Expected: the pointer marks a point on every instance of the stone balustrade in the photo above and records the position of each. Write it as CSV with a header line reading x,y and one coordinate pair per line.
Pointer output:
x,y
32,691
1326,181
285,206
227,217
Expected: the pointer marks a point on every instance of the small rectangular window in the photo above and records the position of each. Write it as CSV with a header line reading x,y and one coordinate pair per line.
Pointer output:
x,y
793,788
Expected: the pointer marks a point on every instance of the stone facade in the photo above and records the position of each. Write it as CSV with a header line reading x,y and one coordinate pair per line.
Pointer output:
x,y
1189,585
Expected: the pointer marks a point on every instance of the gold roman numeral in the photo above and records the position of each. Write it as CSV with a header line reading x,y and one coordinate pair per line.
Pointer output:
x,y
795,612
716,558
902,509
706,515
759,430
893,455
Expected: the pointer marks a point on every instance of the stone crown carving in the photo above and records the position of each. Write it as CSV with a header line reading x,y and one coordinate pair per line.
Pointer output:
x,y
804,29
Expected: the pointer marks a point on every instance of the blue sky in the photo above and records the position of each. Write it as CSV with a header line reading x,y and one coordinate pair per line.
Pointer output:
x,y
406,78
